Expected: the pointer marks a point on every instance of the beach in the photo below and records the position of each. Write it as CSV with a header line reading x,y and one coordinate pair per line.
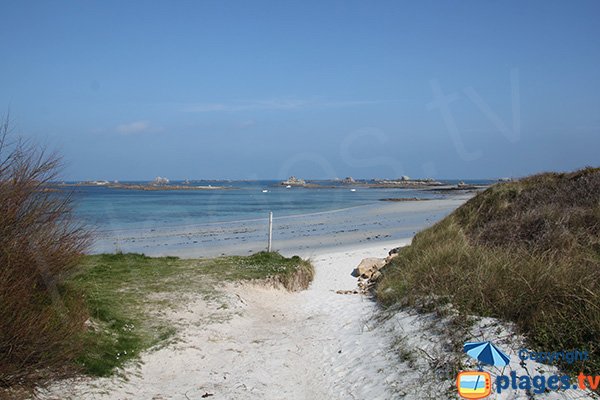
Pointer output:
x,y
255,340
269,343
299,200
304,234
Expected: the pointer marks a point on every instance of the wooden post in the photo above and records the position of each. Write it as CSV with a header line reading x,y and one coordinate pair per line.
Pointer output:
x,y
270,230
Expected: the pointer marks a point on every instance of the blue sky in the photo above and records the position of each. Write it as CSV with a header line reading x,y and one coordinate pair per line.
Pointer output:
x,y
265,89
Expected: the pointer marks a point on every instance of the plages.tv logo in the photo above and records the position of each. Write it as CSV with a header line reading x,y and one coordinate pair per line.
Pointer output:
x,y
478,384
474,384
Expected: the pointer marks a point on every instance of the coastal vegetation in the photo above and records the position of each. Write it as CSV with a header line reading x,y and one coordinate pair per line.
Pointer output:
x,y
126,294
115,305
526,251
40,246
63,312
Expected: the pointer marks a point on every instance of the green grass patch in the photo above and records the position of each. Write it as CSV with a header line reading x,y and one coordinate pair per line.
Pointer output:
x,y
525,251
122,290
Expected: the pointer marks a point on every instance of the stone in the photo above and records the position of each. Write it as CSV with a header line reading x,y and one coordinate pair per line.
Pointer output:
x,y
346,292
367,266
395,250
392,254
375,277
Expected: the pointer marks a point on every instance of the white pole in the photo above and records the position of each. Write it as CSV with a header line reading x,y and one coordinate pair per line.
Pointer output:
x,y
270,230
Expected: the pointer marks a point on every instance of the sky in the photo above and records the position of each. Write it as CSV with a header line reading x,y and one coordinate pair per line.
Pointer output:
x,y
128,90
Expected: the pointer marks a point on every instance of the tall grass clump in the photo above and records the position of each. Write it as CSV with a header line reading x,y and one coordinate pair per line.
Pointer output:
x,y
526,251
39,246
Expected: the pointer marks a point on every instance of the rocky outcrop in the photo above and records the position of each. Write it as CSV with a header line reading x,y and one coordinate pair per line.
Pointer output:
x,y
293,181
368,271
367,267
153,187
393,253
160,181
405,182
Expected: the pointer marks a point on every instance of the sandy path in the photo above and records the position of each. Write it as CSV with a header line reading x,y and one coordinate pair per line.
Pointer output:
x,y
316,344
273,345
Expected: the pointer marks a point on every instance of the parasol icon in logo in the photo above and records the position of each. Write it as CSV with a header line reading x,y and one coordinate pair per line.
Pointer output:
x,y
478,384
486,353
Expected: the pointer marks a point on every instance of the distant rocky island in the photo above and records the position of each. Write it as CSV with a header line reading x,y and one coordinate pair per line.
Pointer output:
x,y
164,184
293,181
166,187
158,184
403,182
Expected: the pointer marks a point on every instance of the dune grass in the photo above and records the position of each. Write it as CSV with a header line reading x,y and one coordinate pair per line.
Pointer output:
x,y
121,290
526,251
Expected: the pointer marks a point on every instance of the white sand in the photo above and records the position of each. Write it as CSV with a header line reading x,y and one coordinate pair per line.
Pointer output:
x,y
315,344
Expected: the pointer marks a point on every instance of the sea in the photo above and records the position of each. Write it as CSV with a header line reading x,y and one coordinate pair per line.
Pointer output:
x,y
106,209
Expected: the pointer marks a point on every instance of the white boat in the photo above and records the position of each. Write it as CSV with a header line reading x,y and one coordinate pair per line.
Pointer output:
x,y
288,186
353,190
265,191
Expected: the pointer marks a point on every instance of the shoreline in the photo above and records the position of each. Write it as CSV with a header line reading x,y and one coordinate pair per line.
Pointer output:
x,y
298,234
254,340
167,227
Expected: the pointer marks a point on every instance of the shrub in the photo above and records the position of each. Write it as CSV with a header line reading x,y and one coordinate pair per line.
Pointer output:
x,y
39,246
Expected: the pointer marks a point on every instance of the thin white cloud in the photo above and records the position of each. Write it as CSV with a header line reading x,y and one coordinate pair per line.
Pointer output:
x,y
277,104
136,127
246,124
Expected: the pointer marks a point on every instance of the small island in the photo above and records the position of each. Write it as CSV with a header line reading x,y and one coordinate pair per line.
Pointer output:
x,y
150,187
158,184
405,182
293,181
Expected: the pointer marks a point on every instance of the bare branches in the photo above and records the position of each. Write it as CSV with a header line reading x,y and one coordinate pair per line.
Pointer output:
x,y
40,243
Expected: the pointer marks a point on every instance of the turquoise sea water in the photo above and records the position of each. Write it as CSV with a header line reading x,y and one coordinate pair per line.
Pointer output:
x,y
107,209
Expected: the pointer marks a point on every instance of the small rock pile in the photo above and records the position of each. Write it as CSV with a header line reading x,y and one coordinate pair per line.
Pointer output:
x,y
368,272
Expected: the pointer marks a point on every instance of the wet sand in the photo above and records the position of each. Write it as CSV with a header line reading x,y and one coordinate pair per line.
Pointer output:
x,y
305,235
